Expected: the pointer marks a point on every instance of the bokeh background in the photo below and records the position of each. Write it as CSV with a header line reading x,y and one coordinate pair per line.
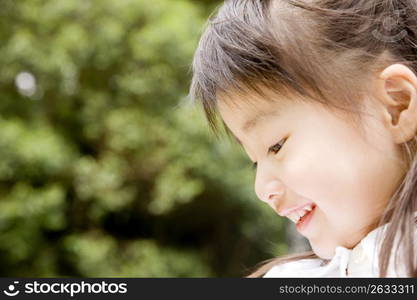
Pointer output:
x,y
106,170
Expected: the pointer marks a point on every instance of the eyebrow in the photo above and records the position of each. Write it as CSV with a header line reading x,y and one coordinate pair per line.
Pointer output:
x,y
252,122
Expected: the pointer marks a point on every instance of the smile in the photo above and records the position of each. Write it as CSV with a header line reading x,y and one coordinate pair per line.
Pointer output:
x,y
297,215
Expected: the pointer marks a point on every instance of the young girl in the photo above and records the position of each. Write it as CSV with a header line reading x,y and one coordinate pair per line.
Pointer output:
x,y
322,96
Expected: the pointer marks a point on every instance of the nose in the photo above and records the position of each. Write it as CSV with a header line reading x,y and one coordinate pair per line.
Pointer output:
x,y
269,188
272,194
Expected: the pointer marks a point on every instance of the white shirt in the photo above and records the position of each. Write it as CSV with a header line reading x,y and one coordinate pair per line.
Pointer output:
x,y
361,261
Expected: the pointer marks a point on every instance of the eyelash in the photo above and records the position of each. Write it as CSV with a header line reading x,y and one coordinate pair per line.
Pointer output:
x,y
280,144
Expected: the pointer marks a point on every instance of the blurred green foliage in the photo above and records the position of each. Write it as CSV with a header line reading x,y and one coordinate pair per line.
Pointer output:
x,y
106,170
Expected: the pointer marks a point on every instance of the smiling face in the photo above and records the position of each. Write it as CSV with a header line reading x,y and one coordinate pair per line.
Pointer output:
x,y
324,160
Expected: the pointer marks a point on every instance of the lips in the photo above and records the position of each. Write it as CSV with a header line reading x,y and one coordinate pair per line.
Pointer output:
x,y
296,214
304,222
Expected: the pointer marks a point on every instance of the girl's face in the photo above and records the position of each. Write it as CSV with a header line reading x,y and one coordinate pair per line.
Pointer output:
x,y
324,160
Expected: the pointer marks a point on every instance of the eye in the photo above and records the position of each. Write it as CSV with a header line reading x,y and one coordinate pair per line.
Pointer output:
x,y
275,149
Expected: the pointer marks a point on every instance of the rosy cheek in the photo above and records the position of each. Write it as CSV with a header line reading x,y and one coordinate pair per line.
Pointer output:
x,y
299,175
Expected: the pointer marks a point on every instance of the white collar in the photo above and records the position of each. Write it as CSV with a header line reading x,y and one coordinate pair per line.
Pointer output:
x,y
360,261
363,259
336,267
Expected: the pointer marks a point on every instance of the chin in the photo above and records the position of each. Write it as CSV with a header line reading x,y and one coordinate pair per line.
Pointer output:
x,y
322,251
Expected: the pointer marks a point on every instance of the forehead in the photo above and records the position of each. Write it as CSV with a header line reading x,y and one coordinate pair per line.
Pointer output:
x,y
241,115
249,108
247,117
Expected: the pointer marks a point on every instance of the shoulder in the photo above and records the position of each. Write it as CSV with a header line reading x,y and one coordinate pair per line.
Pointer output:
x,y
297,268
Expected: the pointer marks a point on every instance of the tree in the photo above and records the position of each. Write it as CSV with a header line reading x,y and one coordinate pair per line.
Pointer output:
x,y
106,169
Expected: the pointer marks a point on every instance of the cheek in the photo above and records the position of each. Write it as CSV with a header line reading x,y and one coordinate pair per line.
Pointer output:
x,y
350,190
335,177
315,172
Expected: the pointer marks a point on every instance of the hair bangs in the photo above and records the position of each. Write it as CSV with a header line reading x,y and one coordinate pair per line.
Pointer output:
x,y
238,55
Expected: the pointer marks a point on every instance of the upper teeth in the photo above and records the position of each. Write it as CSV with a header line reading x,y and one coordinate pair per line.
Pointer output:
x,y
296,216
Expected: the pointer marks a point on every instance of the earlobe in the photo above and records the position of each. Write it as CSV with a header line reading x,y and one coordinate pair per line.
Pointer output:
x,y
398,91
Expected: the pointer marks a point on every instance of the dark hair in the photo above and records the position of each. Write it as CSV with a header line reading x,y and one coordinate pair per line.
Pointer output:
x,y
316,50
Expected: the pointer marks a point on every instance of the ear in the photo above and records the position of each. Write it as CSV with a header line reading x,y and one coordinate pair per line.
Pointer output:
x,y
397,90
